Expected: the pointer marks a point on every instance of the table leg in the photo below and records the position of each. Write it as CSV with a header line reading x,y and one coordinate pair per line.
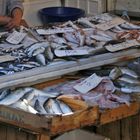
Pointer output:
x,y
43,137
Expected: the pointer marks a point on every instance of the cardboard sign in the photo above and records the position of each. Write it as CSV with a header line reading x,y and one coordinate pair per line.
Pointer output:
x,y
88,84
110,24
63,53
122,46
15,37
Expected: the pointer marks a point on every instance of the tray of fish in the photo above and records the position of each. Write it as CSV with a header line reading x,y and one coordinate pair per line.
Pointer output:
x,y
71,103
31,55
42,111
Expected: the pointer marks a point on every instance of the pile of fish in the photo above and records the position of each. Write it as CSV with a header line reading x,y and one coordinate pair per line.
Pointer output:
x,y
34,101
35,47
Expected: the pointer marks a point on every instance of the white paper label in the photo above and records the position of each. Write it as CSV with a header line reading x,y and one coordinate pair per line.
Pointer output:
x,y
15,37
110,24
88,84
62,53
122,46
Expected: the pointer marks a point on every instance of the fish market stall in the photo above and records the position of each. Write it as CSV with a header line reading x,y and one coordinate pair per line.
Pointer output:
x,y
100,92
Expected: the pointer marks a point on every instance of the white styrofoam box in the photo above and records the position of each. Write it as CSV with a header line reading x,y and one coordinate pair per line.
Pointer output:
x,y
91,7
81,135
31,8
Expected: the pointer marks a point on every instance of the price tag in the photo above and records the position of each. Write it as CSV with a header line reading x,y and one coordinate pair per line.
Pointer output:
x,y
122,46
110,24
88,84
16,37
62,53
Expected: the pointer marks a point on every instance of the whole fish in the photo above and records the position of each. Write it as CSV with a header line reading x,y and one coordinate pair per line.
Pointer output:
x,y
49,54
129,79
131,89
115,73
64,108
4,93
41,59
51,106
39,107
15,95
129,72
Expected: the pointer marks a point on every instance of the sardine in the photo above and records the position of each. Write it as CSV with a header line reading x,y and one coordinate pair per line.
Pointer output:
x,y
131,89
38,51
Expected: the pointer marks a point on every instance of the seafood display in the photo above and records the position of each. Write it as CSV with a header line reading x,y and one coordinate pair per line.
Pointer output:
x,y
89,36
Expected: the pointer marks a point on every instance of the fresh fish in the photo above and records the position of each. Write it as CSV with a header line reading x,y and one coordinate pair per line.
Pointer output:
x,y
130,26
23,105
41,59
38,51
115,73
129,79
57,46
49,54
39,107
51,106
64,108
4,93
131,89
129,72
35,46
85,21
15,95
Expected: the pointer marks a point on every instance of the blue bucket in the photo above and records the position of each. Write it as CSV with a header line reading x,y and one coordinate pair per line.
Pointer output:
x,y
60,14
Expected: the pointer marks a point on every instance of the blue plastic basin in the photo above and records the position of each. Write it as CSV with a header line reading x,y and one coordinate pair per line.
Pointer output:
x,y
60,14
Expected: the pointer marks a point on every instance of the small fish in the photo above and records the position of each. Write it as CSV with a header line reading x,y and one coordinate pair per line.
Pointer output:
x,y
39,107
15,95
38,51
4,93
115,73
64,108
51,106
129,72
49,54
129,79
41,59
131,89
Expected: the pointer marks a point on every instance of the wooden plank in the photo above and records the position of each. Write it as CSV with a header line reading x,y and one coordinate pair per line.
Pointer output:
x,y
3,132
43,137
38,75
11,133
6,58
126,129
111,130
119,113
77,120
20,135
24,120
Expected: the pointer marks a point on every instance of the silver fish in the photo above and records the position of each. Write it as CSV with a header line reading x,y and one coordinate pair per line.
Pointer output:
x,y
129,79
41,59
4,93
39,107
131,89
129,72
51,106
38,51
115,73
15,95
64,108
49,54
